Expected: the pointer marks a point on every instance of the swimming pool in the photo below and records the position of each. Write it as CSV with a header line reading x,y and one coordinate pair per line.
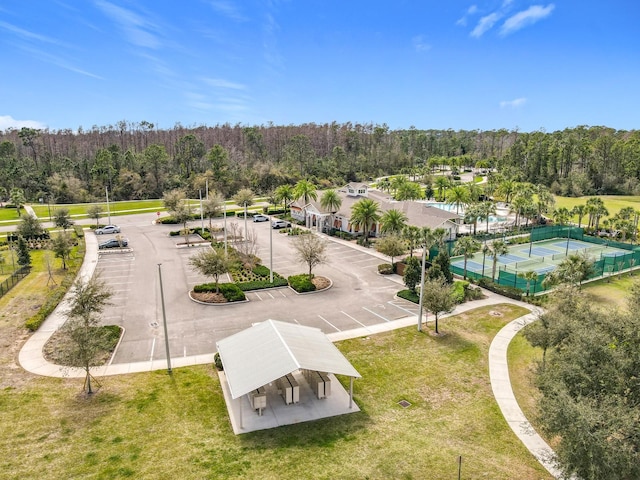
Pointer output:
x,y
450,207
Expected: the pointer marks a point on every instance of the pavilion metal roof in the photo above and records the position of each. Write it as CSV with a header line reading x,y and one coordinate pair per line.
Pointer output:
x,y
272,349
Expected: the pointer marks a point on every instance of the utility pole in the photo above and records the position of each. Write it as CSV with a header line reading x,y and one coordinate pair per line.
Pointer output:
x,y
423,268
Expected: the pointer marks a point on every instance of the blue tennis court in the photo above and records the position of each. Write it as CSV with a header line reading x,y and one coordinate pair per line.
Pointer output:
x,y
573,245
509,258
540,251
471,265
546,269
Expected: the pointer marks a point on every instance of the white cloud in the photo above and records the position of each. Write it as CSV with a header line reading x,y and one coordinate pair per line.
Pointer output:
x,y
470,11
137,28
7,122
28,35
516,103
526,17
420,44
221,83
228,9
486,23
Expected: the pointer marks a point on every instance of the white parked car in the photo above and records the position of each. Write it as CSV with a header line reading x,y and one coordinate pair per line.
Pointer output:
x,y
260,218
108,229
280,224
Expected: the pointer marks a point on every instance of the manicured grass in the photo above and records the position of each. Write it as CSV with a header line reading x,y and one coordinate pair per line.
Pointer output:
x,y
613,203
155,426
79,210
9,214
611,291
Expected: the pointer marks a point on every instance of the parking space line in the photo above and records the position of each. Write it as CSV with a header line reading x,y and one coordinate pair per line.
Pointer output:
x,y
296,321
329,323
376,314
345,313
153,347
404,309
257,295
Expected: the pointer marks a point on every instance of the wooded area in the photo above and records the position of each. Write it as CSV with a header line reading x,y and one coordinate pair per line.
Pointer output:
x,y
139,161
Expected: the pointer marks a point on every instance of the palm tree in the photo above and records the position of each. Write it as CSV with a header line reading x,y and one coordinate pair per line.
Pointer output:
x,y
441,183
306,190
487,209
393,221
466,246
17,198
530,276
412,236
384,184
284,194
472,214
506,188
580,211
561,215
331,201
572,270
458,196
365,214
544,200
494,250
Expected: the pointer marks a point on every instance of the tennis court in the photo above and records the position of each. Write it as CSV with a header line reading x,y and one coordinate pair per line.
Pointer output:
x,y
541,257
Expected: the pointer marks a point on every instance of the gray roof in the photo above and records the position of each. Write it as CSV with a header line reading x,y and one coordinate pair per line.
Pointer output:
x,y
272,349
418,214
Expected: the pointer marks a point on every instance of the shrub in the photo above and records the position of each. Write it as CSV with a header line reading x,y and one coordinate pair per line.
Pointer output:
x,y
385,269
218,361
261,271
278,281
78,231
232,292
409,295
459,291
510,292
301,283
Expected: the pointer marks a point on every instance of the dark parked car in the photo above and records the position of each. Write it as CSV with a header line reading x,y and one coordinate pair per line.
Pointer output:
x,y
108,229
114,243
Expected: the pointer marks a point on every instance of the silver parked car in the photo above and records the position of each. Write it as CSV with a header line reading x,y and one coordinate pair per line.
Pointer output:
x,y
280,224
114,243
108,229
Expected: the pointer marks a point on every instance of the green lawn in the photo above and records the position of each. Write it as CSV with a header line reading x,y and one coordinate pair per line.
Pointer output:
x,y
154,426
80,209
613,203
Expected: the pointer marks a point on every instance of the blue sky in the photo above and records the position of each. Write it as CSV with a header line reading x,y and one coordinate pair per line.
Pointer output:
x,y
484,64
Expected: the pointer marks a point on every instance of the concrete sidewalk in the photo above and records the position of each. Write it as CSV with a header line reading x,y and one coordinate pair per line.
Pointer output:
x,y
31,355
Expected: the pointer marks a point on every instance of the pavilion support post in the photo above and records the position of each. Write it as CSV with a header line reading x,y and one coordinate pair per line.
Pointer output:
x,y
351,392
240,405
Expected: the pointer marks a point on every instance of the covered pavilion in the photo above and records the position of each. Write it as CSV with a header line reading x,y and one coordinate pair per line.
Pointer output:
x,y
268,351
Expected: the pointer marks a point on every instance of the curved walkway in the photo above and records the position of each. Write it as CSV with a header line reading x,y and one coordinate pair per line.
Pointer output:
x,y
31,357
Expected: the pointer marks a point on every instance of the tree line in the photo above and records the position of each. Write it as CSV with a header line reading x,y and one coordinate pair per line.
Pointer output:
x,y
139,161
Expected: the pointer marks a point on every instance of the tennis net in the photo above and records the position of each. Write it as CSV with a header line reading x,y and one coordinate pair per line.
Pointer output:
x,y
526,263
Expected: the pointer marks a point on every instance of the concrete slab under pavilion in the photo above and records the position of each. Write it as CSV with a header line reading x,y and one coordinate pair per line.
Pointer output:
x,y
278,414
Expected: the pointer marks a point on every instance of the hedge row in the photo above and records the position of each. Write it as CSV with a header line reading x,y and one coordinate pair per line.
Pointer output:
x,y
230,291
278,281
510,292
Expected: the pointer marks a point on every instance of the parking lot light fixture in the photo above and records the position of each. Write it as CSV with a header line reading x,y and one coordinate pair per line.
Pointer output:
x,y
164,321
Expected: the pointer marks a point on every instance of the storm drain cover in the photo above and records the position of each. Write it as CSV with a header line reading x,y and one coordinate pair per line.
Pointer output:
x,y
154,324
404,403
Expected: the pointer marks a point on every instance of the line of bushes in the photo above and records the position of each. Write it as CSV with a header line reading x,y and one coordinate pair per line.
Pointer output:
x,y
507,291
230,291
278,281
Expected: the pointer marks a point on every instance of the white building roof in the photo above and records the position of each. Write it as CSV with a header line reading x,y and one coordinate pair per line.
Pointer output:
x,y
272,349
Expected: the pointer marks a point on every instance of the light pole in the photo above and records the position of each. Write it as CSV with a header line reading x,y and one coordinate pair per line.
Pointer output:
x,y
201,214
164,321
225,228
270,251
423,268
106,189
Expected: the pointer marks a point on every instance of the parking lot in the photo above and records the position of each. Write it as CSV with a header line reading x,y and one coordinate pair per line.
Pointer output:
x,y
358,298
